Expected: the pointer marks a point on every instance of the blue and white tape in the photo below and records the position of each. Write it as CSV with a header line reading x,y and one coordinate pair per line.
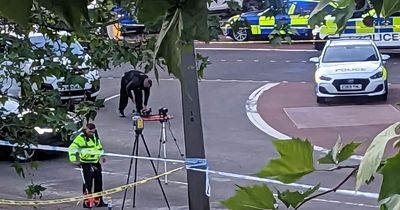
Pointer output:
x,y
201,165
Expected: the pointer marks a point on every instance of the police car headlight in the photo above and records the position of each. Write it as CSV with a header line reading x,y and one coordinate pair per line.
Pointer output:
x,y
41,131
325,78
377,75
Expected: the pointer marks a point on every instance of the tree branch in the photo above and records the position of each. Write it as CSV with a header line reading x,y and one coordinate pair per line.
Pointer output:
x,y
329,191
338,168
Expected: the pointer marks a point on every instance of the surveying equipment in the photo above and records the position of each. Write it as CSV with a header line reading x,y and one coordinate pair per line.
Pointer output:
x,y
164,120
138,125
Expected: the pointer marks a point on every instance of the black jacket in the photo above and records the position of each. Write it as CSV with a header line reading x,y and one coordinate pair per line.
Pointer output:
x,y
134,81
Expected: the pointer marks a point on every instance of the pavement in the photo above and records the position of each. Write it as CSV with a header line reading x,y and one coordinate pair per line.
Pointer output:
x,y
291,110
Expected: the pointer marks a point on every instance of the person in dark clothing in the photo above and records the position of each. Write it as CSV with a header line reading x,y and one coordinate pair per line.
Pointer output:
x,y
136,82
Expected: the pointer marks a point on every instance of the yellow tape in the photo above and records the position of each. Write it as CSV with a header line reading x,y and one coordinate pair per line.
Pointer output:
x,y
79,198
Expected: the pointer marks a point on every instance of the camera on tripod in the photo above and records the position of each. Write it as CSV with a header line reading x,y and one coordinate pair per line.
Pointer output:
x,y
163,112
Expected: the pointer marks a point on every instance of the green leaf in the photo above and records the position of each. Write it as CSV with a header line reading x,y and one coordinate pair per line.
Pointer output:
x,y
389,7
339,153
168,43
150,15
378,4
344,13
373,156
292,199
390,203
18,169
296,161
251,198
194,18
71,11
391,179
19,11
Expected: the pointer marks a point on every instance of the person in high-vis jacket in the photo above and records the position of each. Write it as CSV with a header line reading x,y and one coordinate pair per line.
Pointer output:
x,y
138,83
86,151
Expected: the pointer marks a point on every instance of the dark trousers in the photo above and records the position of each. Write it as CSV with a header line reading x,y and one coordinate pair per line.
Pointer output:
x,y
123,97
92,174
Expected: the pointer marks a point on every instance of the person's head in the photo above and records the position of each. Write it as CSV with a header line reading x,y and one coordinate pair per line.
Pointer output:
x,y
147,83
90,129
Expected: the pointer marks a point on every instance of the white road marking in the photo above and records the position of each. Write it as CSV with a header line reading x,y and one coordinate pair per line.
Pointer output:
x,y
239,60
288,61
255,49
256,61
111,97
304,61
255,118
272,61
223,60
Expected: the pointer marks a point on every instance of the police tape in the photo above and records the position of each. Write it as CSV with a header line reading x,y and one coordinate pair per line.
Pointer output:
x,y
201,165
83,197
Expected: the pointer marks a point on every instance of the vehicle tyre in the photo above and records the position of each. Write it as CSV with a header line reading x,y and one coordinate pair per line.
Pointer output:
x,y
321,100
91,98
240,35
384,96
318,45
23,154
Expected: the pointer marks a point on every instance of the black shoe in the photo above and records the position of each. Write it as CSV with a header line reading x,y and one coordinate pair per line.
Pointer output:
x,y
121,114
102,204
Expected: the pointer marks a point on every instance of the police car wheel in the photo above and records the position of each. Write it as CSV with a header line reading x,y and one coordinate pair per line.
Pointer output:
x,y
23,155
321,100
240,35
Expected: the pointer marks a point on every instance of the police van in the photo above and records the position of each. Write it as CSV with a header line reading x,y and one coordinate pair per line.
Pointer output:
x,y
385,32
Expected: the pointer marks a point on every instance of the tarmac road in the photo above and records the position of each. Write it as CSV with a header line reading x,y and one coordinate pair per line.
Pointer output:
x,y
233,143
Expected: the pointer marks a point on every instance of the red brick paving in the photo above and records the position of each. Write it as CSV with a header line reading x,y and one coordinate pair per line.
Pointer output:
x,y
291,95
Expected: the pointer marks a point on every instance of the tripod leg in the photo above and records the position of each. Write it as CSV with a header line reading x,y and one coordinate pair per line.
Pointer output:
x,y
130,168
176,143
155,172
159,149
136,162
164,141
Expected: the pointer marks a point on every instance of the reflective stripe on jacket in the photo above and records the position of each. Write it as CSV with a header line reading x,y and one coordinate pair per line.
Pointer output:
x,y
89,149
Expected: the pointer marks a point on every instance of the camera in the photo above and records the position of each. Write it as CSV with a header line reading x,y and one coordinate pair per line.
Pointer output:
x,y
163,111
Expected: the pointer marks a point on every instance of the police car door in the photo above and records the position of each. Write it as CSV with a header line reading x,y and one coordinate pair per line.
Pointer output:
x,y
388,35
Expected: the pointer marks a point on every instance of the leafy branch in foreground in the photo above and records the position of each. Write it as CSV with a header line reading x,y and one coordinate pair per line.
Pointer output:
x,y
297,160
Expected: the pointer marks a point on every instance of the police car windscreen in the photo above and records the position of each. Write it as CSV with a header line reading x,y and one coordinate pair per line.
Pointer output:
x,y
353,53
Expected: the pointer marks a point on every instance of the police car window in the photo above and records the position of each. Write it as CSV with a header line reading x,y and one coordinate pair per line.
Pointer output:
x,y
303,8
352,53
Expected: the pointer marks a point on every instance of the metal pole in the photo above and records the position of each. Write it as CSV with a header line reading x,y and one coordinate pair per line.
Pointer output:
x,y
194,145
164,142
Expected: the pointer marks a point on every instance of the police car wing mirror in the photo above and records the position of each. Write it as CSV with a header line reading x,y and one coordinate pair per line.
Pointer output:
x,y
385,57
314,59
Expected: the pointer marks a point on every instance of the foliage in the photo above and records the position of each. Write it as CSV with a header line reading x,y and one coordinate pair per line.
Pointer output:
x,y
296,161
374,154
339,153
248,198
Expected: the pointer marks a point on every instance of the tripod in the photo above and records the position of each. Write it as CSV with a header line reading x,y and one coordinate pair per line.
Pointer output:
x,y
138,125
164,120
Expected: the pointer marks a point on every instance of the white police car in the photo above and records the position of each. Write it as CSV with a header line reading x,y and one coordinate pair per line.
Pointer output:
x,y
350,68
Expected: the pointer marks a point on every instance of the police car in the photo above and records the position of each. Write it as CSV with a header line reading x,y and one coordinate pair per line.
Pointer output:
x,y
69,92
259,24
365,24
44,134
352,67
